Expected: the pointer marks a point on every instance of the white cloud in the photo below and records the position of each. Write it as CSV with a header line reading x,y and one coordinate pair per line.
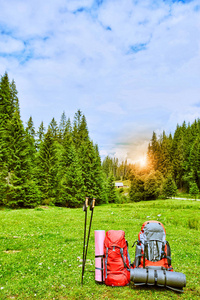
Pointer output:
x,y
9,45
130,66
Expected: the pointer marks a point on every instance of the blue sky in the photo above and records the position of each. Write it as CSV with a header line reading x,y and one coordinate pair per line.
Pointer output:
x,y
132,67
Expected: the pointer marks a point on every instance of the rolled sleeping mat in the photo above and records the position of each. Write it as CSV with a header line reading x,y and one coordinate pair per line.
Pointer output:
x,y
172,280
99,253
175,280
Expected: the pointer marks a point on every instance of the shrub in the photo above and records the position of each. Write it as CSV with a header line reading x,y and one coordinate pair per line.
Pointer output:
x,y
194,191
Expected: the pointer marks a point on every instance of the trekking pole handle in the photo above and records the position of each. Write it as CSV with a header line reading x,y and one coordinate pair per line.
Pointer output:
x,y
92,204
85,205
86,201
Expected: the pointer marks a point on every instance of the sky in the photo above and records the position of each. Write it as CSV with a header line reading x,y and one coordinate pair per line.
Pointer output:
x,y
132,67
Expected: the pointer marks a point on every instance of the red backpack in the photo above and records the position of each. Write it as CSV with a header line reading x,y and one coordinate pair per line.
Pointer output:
x,y
117,260
152,250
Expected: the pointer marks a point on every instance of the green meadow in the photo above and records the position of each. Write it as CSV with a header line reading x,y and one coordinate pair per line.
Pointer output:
x,y
41,249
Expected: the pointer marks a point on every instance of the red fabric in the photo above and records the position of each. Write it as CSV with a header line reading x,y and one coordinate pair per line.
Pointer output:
x,y
161,263
117,273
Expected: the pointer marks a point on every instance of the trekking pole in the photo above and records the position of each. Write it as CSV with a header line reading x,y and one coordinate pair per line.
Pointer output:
x,y
92,204
85,206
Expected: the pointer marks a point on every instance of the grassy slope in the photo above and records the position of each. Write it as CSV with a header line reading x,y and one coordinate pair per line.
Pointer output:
x,y
40,250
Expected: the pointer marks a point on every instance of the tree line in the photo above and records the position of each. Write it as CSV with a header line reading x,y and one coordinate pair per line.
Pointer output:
x,y
177,157
59,165
173,163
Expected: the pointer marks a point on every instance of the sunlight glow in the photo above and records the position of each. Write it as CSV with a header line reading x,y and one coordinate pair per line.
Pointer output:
x,y
142,161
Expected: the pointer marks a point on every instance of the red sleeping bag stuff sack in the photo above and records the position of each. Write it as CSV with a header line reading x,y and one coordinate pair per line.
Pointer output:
x,y
116,259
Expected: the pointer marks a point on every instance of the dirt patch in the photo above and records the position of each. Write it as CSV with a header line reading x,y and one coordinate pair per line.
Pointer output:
x,y
43,206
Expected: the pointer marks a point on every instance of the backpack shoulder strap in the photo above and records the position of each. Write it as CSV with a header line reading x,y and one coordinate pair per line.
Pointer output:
x,y
129,258
122,255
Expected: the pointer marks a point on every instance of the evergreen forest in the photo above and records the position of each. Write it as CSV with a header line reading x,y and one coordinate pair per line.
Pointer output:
x,y
173,164
60,165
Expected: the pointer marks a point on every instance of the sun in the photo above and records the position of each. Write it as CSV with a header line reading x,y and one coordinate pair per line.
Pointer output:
x,y
142,161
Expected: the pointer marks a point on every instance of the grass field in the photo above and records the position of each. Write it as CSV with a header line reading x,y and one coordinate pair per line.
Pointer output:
x,y
41,249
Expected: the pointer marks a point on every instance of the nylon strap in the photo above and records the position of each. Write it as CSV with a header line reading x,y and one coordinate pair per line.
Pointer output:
x,y
122,255
106,261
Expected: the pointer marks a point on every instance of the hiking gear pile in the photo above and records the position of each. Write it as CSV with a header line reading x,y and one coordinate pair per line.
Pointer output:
x,y
152,264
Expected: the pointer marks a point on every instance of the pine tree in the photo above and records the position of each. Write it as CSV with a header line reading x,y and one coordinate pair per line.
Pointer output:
x,y
115,168
152,185
165,166
71,190
30,127
76,127
53,127
153,153
47,171
107,166
20,185
194,191
6,107
30,139
178,156
120,170
137,192
194,161
111,192
61,128
40,135
86,156
80,132
83,131
14,97
68,129
6,112
169,187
